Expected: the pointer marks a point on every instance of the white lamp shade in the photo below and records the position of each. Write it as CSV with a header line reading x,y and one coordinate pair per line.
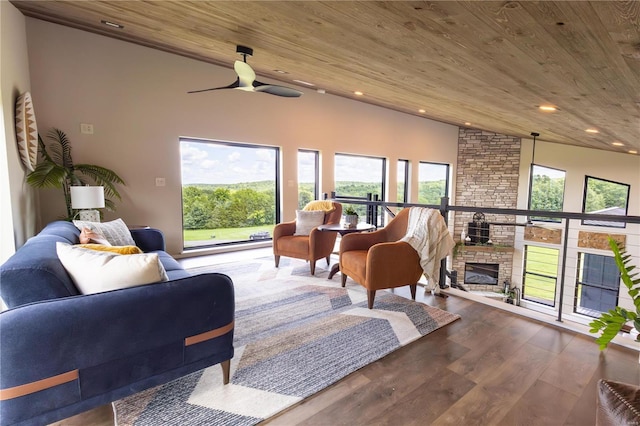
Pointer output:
x,y
87,197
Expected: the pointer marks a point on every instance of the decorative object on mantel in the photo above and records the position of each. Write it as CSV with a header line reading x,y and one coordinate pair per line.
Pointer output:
x,y
350,217
57,170
478,229
611,323
26,131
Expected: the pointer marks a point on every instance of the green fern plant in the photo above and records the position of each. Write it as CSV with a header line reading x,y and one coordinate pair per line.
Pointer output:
x,y
57,170
610,323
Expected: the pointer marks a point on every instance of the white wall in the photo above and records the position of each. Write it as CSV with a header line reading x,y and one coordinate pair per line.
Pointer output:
x,y
17,201
136,99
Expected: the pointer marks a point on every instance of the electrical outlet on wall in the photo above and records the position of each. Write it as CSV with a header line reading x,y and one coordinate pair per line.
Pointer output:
x,y
160,181
86,128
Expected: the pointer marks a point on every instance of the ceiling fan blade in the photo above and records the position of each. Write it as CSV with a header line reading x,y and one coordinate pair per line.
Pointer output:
x,y
233,85
246,75
273,89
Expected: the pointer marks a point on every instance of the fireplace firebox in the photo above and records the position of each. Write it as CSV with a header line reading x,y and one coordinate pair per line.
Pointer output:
x,y
481,273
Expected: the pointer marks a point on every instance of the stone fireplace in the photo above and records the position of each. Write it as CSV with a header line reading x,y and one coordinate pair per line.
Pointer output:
x,y
486,176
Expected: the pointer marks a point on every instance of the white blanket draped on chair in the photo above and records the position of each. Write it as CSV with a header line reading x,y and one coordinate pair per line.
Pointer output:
x,y
428,234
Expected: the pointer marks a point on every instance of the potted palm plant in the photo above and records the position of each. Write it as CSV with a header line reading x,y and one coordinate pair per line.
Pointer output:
x,y
609,324
57,170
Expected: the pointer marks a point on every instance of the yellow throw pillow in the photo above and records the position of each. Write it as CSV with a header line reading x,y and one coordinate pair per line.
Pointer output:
x,y
324,205
112,249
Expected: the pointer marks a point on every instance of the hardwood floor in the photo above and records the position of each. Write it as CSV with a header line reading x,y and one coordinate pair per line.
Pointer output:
x,y
490,368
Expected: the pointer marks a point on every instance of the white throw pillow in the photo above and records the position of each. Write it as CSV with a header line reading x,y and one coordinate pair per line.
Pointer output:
x,y
307,220
116,231
95,271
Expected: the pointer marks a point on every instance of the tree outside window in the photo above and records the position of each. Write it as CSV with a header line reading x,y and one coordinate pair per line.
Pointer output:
x,y
605,197
546,191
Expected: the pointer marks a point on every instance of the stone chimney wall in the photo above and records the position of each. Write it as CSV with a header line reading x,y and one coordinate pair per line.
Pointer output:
x,y
486,176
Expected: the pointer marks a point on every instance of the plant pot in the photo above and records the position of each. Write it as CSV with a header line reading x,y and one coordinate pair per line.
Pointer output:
x,y
351,220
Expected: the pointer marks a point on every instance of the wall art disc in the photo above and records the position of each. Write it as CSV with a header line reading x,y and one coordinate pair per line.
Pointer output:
x,y
26,131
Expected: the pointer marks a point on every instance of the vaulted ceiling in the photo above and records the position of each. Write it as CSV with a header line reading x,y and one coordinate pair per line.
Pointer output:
x,y
486,65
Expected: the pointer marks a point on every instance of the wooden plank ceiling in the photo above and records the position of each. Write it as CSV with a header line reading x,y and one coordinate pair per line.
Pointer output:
x,y
487,64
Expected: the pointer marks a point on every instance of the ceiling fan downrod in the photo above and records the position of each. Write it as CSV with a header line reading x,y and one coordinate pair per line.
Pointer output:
x,y
244,51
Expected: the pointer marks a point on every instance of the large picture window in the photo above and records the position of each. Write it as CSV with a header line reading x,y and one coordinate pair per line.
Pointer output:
x,y
357,176
605,197
547,191
540,274
229,192
433,181
308,177
598,284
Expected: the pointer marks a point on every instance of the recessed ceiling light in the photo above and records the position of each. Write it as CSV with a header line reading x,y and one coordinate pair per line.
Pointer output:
x,y
548,108
421,111
633,151
358,93
617,144
306,83
281,72
321,91
467,124
592,131
112,24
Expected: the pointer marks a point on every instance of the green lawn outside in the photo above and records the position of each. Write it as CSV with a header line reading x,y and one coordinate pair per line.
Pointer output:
x,y
541,260
212,236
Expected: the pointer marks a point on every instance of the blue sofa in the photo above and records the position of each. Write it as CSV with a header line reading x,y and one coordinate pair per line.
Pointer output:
x,y
62,353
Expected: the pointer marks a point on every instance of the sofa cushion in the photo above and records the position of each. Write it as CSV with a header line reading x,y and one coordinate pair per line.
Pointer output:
x,y
116,231
307,220
34,273
95,272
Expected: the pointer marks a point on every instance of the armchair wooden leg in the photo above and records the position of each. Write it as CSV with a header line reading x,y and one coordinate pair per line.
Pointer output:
x,y
312,264
277,259
226,369
344,279
413,288
328,260
371,295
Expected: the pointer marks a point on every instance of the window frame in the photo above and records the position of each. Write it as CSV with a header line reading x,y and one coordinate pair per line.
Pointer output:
x,y
405,192
447,183
564,187
591,222
316,177
277,188
579,284
525,273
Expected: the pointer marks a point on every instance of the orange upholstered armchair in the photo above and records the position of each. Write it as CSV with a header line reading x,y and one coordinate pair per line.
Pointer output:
x,y
377,260
315,244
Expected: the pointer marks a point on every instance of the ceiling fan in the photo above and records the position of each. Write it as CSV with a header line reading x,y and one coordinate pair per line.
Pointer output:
x,y
247,79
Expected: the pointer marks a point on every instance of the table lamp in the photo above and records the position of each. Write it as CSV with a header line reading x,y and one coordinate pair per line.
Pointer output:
x,y
87,199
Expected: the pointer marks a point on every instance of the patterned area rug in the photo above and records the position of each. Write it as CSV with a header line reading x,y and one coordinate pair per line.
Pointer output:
x,y
294,335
